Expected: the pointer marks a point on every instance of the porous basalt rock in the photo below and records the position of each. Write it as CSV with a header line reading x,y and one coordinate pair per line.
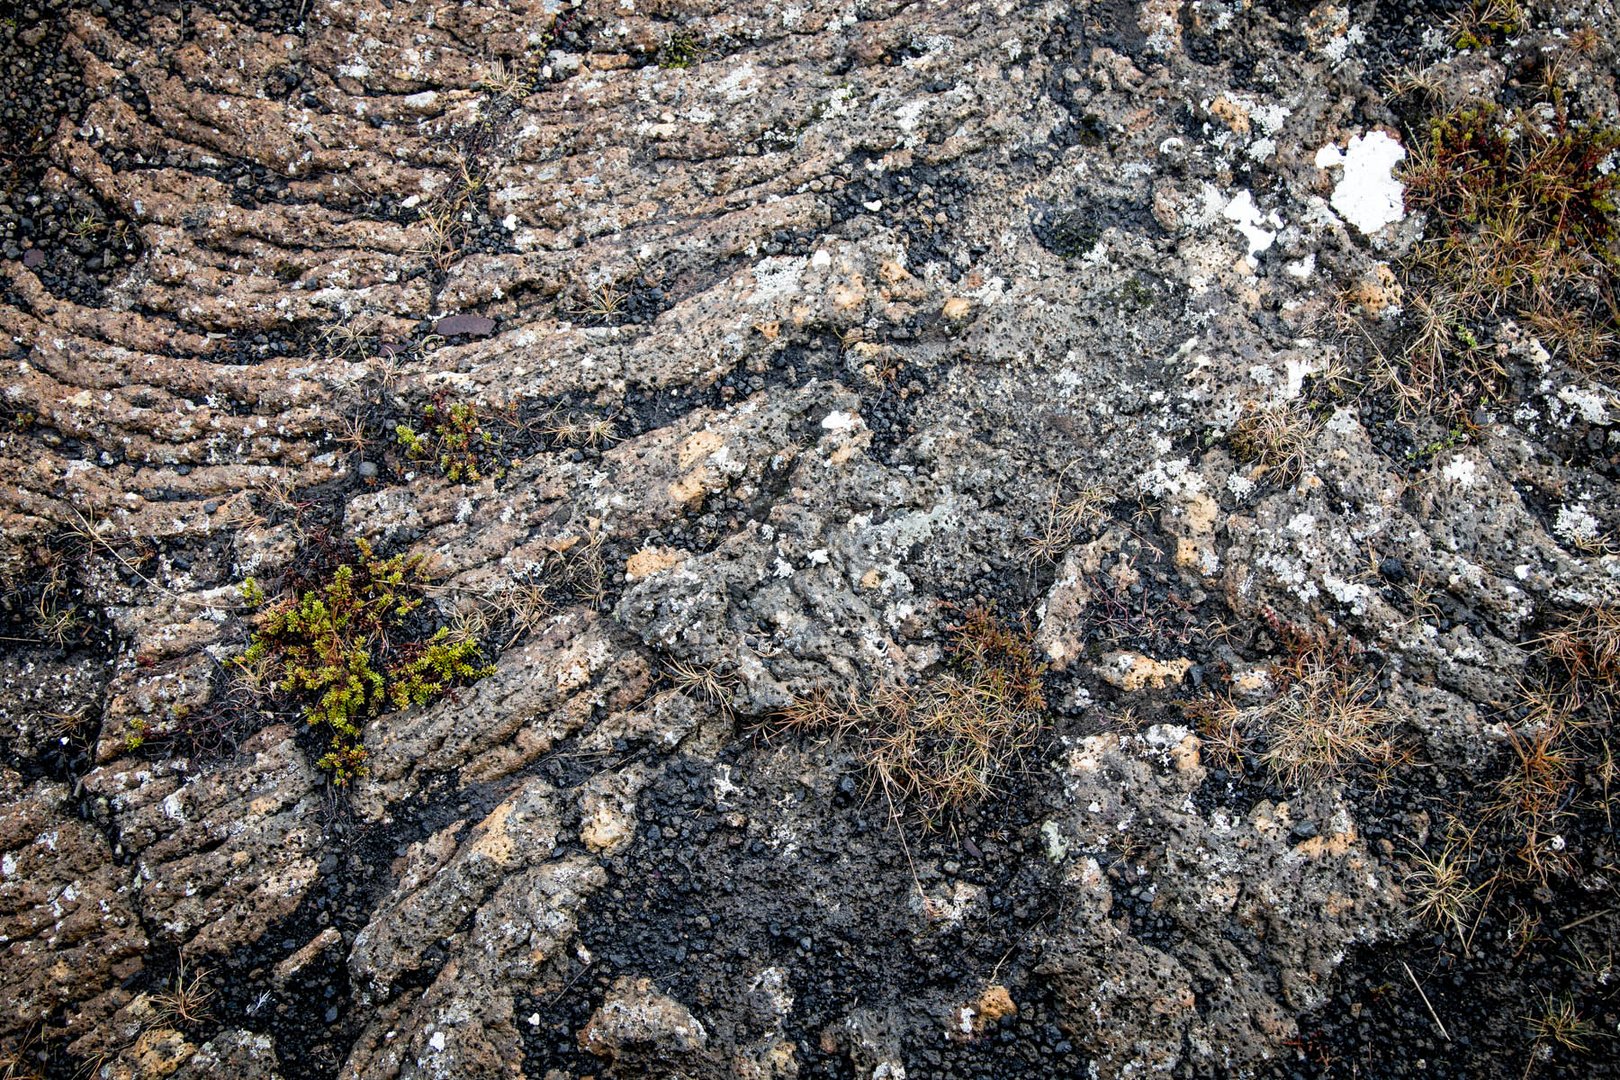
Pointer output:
x,y
797,331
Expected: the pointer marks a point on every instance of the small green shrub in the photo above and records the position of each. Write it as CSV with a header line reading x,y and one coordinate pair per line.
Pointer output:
x,y
252,593
337,649
1487,21
453,438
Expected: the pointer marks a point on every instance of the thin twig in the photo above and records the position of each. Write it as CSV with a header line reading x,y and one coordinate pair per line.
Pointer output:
x,y
1587,918
1432,1014
995,972
899,827
1468,942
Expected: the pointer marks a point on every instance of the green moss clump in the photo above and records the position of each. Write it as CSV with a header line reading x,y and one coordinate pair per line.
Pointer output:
x,y
336,648
680,51
454,439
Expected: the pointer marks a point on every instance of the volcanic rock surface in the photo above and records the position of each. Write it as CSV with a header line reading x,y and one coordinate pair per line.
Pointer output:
x,y
795,323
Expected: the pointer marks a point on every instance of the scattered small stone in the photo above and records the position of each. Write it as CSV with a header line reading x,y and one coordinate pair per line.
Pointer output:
x,y
464,325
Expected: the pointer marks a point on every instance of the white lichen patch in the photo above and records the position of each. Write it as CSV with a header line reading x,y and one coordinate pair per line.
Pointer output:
x,y
1352,594
1592,405
1367,196
1575,524
1339,47
1259,229
777,277
1459,471
1171,479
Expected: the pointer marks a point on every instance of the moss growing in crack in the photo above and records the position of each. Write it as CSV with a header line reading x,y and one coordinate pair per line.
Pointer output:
x,y
680,51
337,649
454,439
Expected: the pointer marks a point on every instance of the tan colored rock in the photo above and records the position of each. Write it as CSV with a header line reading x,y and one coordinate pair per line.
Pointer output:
x,y
1376,290
775,1059
67,913
1230,113
974,1019
1330,845
608,809
1252,682
226,854
443,880
607,829
995,1003
311,951
239,1055
1061,633
1132,671
651,560
699,446
160,1053
1192,521
848,296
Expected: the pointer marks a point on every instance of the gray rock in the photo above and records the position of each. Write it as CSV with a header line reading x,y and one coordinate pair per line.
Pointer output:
x,y
863,315
636,1017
